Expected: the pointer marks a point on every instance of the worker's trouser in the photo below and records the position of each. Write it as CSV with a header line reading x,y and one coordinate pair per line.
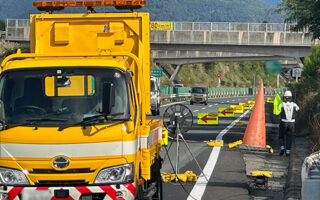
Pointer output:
x,y
286,134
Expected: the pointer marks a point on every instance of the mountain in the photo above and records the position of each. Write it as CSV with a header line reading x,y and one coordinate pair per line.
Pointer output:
x,y
175,10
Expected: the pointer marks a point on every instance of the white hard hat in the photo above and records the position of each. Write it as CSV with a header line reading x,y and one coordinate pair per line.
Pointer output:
x,y
288,93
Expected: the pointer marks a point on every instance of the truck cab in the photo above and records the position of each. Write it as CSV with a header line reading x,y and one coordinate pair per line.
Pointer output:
x,y
199,94
73,111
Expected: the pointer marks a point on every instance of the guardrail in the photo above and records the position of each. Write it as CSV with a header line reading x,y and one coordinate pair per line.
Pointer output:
x,y
170,94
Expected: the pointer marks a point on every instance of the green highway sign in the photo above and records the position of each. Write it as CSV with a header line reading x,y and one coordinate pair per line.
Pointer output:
x,y
273,67
156,72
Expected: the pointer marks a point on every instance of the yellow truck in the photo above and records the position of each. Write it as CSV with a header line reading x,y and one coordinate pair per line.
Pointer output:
x,y
73,111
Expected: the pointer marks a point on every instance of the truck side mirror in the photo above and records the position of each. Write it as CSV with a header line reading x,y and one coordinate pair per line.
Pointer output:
x,y
108,98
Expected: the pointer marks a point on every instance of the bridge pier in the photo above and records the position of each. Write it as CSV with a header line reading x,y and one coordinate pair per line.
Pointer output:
x,y
176,72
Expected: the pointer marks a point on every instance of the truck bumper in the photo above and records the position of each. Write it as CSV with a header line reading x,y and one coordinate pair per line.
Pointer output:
x,y
110,192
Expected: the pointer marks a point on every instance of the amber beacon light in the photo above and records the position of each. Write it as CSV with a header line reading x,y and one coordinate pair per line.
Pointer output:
x,y
43,5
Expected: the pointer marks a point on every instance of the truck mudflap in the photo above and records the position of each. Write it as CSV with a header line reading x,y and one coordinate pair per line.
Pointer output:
x,y
110,192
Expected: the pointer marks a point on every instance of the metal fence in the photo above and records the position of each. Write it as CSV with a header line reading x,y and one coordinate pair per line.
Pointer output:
x,y
19,29
235,27
174,93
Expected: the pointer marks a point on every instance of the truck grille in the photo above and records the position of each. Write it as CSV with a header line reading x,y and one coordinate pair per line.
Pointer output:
x,y
69,171
62,183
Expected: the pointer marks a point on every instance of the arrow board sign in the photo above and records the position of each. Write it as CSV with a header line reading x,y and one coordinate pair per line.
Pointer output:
x,y
226,112
246,106
237,108
208,119
270,100
251,103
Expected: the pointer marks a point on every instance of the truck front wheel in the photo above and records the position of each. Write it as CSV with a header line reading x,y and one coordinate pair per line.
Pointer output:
x,y
157,178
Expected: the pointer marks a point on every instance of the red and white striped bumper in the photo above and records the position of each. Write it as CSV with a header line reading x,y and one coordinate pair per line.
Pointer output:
x,y
75,193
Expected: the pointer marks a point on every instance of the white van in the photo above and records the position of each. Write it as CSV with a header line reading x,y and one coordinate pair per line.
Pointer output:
x,y
155,95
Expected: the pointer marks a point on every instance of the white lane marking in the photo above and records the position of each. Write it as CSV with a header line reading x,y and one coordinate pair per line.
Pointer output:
x,y
169,104
228,101
201,184
216,104
196,111
222,102
203,108
233,100
210,105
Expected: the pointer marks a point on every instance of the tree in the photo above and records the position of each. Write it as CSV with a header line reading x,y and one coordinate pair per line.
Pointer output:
x,y
305,13
2,25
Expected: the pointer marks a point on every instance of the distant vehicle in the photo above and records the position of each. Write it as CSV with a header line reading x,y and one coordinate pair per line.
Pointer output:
x,y
155,95
179,85
199,94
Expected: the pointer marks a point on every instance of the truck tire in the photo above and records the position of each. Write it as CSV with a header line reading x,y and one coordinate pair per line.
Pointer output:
x,y
191,103
157,178
205,103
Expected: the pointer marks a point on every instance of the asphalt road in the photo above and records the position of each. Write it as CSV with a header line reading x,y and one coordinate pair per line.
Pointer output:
x,y
224,167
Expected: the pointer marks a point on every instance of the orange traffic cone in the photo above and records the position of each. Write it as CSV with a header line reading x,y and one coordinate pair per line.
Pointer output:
x,y
255,134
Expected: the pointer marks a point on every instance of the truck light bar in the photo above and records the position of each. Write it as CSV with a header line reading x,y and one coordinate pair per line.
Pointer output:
x,y
88,3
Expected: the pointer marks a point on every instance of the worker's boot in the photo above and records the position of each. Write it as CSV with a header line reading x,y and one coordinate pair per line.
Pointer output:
x,y
287,152
282,150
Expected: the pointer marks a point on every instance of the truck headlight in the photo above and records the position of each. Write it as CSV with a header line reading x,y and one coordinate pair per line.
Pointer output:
x,y
12,177
118,174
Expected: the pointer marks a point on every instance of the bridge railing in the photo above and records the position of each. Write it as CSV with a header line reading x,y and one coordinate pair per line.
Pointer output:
x,y
19,29
234,27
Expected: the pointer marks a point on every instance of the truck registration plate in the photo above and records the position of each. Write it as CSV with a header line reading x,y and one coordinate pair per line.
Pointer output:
x,y
36,195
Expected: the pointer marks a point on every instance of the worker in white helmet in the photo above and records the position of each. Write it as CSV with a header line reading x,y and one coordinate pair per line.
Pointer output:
x,y
287,123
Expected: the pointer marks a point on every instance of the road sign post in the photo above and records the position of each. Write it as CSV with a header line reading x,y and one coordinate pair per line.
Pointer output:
x,y
296,73
219,80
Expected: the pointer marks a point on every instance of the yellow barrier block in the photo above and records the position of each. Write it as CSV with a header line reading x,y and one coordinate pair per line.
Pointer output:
x,y
215,143
267,174
270,100
182,177
246,106
167,177
270,148
164,140
251,103
191,176
208,118
239,124
226,112
237,108
234,144
187,176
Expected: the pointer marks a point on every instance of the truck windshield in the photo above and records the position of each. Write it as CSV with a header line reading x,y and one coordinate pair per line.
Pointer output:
x,y
199,90
61,96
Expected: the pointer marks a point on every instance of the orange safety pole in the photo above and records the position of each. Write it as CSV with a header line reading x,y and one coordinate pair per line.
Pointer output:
x,y
255,134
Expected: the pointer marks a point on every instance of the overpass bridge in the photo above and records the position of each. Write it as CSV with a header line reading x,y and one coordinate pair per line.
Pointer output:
x,y
198,42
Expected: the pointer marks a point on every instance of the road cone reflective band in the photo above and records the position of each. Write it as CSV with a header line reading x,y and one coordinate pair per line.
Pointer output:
x,y
255,134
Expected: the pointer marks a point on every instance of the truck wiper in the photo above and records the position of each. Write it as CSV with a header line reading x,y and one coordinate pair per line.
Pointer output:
x,y
46,120
87,120
33,122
